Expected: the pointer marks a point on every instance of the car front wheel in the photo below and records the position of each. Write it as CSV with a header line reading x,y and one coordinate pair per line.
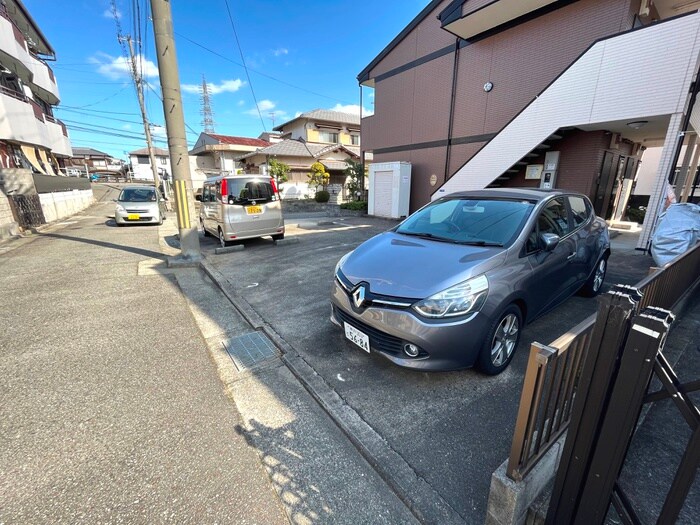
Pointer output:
x,y
222,240
501,341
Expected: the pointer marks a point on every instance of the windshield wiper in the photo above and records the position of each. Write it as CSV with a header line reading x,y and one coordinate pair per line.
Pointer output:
x,y
426,235
481,243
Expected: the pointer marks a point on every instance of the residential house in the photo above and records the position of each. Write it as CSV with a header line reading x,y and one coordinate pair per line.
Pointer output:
x,y
141,170
323,126
550,93
217,154
300,155
93,161
329,137
30,136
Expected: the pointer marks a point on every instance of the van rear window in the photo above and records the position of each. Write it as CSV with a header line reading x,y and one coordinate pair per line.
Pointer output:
x,y
242,191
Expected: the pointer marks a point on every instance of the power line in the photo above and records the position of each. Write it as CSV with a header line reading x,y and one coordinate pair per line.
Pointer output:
x,y
334,99
245,67
99,111
104,99
161,99
83,113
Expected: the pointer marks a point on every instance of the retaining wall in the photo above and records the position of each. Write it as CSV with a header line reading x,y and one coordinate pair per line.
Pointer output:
x,y
61,204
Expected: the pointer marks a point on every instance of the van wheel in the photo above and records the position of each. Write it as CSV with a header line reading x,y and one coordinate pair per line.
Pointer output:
x,y
160,221
501,341
278,237
222,240
204,230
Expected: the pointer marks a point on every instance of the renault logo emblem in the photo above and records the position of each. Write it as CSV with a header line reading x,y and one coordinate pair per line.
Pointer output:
x,y
358,296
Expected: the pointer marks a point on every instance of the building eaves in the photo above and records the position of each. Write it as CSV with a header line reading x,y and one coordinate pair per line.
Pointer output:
x,y
30,22
326,115
156,151
364,74
239,141
81,152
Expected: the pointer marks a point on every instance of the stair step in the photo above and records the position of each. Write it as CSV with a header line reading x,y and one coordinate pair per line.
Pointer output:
x,y
543,146
554,136
520,163
503,178
512,171
532,155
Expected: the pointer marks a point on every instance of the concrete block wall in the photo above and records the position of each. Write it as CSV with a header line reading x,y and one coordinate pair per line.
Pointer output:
x,y
59,205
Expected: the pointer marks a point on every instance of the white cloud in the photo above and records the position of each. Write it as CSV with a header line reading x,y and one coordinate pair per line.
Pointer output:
x,y
241,102
280,51
353,109
297,114
115,68
226,86
126,126
263,105
109,14
158,131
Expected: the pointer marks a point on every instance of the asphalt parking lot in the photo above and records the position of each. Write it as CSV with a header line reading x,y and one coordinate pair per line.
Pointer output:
x,y
455,428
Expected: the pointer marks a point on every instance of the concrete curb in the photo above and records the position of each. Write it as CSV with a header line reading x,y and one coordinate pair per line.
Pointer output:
x,y
426,504
229,249
287,240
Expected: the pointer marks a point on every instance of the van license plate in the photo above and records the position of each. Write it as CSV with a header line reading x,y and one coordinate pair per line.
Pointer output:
x,y
133,216
253,210
357,337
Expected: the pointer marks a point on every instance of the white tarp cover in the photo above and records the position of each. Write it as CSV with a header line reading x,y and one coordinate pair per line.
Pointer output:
x,y
677,232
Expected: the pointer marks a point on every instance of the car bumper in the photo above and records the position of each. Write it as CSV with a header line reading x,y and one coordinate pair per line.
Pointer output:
x,y
450,345
143,218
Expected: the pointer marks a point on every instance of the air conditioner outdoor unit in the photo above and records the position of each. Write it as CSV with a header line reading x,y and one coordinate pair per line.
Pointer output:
x,y
389,189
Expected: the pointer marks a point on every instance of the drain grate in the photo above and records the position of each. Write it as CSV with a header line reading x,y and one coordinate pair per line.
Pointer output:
x,y
249,349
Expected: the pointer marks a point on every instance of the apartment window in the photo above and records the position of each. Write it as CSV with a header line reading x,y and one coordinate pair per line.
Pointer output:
x,y
99,163
142,160
328,136
163,160
354,139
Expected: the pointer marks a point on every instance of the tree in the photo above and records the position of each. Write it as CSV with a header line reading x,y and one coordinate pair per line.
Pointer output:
x,y
355,171
279,171
318,176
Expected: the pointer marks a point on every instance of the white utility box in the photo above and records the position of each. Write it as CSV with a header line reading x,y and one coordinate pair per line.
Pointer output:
x,y
389,189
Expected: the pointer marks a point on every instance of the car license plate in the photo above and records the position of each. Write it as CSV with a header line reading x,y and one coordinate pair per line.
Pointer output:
x,y
253,210
357,337
133,216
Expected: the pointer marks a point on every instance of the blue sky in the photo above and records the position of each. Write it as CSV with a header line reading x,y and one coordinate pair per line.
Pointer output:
x,y
301,56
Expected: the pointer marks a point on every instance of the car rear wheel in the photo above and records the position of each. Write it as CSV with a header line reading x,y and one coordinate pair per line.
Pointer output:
x,y
501,341
222,240
595,282
278,237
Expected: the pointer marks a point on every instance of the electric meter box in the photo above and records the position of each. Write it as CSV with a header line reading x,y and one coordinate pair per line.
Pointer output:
x,y
389,189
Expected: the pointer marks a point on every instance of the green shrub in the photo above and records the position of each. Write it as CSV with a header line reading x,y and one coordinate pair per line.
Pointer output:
x,y
322,196
355,206
636,214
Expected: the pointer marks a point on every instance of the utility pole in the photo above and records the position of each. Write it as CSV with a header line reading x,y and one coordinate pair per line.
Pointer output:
x,y
175,125
146,127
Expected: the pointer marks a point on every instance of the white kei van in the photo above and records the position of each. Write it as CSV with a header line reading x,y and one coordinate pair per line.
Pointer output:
x,y
241,207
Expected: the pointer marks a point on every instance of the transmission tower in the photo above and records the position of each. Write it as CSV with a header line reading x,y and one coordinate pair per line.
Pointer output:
x,y
205,110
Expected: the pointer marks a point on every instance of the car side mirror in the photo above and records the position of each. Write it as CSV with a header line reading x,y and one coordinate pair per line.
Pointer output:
x,y
198,198
549,241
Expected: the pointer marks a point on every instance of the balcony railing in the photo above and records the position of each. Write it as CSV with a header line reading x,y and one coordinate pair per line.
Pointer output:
x,y
38,110
553,370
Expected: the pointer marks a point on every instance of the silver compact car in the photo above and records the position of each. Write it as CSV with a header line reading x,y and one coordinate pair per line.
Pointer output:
x,y
139,205
453,285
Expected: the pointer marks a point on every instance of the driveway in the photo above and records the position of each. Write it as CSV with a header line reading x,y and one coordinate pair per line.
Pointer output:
x,y
454,429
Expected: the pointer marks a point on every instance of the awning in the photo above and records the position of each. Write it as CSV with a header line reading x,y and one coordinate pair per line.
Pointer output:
x,y
31,157
47,162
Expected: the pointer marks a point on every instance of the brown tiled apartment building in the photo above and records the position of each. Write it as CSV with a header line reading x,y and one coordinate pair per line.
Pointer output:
x,y
456,93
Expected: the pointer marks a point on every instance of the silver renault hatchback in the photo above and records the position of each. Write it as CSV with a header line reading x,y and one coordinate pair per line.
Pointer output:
x,y
452,286
241,207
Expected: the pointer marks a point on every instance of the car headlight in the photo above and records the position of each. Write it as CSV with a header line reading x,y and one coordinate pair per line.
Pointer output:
x,y
339,264
120,208
457,300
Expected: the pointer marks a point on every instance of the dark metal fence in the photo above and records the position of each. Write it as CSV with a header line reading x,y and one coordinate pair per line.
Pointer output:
x,y
553,372
50,183
26,210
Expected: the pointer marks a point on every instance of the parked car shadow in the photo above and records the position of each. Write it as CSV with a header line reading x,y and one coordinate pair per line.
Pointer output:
x,y
131,249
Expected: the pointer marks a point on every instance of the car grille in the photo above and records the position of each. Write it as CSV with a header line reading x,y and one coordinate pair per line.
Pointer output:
x,y
135,210
377,339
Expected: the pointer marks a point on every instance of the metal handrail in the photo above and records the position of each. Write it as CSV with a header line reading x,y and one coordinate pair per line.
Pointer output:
x,y
552,373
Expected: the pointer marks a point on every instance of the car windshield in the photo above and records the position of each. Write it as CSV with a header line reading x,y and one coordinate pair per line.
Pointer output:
x,y
138,195
477,221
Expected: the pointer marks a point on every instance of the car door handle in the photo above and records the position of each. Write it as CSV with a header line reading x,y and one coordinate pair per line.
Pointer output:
x,y
571,256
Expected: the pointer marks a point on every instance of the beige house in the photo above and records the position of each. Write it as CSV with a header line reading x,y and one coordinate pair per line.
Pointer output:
x,y
300,155
216,154
323,126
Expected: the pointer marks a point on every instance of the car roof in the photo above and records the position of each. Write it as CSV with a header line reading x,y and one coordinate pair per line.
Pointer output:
x,y
534,194
138,187
243,176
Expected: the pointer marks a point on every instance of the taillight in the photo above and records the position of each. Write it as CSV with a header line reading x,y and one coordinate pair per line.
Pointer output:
x,y
275,192
224,190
